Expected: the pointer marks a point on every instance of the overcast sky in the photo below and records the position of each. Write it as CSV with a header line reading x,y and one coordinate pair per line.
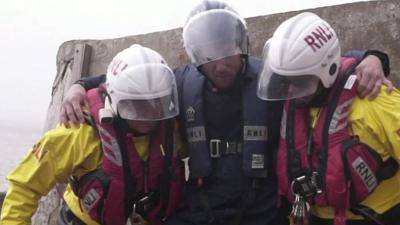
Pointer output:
x,y
32,31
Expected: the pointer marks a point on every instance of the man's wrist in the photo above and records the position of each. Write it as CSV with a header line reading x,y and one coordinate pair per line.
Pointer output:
x,y
383,57
80,82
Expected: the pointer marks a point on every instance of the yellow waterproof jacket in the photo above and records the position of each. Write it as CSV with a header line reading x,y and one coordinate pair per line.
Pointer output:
x,y
61,153
377,123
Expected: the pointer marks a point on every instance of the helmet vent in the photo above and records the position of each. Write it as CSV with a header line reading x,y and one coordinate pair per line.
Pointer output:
x,y
332,69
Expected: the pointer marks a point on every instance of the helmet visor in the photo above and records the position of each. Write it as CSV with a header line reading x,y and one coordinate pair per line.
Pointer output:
x,y
214,35
148,109
275,86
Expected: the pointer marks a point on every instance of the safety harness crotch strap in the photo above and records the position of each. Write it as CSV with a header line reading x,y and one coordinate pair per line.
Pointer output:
x,y
325,164
126,184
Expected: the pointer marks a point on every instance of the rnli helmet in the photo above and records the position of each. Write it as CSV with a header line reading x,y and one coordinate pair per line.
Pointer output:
x,y
303,53
213,31
140,86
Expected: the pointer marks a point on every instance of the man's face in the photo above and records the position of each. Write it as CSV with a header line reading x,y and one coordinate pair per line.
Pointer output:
x,y
223,72
307,100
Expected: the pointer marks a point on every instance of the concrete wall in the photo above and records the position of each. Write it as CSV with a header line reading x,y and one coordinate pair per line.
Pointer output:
x,y
363,25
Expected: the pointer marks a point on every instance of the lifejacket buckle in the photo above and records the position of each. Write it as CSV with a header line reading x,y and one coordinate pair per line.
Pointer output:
x,y
307,185
146,203
215,148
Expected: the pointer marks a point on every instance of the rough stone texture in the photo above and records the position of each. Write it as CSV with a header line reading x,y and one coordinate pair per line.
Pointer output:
x,y
363,25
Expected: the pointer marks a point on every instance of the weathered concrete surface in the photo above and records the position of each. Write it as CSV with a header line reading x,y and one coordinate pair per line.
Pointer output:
x,y
364,25
359,25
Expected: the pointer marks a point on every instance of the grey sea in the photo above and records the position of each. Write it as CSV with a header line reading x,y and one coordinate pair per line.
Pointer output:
x,y
15,141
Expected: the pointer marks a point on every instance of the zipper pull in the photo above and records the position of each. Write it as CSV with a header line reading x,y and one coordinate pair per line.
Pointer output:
x,y
162,150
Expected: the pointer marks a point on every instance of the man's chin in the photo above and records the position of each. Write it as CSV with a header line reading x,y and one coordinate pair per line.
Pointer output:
x,y
224,84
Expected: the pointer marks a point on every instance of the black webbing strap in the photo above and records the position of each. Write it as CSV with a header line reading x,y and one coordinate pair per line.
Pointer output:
x,y
330,111
168,173
388,169
294,159
390,217
368,213
130,186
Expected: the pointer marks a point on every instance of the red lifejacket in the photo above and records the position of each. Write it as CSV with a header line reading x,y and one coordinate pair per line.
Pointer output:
x,y
330,167
124,180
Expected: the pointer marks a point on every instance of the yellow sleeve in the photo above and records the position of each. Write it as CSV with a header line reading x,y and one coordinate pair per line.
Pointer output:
x,y
60,153
381,121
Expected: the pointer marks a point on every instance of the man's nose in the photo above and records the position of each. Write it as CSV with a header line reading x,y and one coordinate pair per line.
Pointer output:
x,y
220,65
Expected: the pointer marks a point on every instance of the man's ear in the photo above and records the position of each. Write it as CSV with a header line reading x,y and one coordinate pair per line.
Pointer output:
x,y
199,68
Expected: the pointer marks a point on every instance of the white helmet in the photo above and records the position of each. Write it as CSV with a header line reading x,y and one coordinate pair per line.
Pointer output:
x,y
214,31
140,86
303,52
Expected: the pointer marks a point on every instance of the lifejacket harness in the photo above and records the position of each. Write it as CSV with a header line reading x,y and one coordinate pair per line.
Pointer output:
x,y
125,184
325,164
203,149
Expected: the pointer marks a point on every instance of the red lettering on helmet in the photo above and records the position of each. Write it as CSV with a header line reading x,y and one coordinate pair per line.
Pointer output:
x,y
118,67
310,40
319,37
327,31
124,67
115,66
